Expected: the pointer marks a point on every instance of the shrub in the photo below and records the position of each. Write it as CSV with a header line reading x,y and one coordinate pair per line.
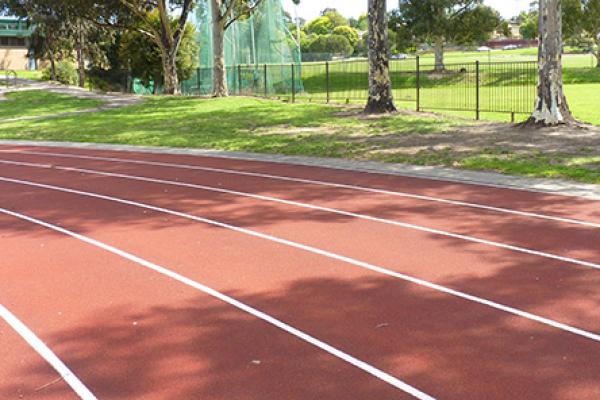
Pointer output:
x,y
65,73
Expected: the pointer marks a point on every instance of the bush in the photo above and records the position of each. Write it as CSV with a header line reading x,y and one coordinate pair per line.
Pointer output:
x,y
65,73
334,44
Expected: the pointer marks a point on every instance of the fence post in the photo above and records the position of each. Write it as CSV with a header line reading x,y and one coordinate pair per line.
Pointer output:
x,y
477,90
266,86
239,71
418,84
198,81
293,83
327,81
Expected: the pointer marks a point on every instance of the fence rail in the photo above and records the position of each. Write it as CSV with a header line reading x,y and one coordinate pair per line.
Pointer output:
x,y
478,87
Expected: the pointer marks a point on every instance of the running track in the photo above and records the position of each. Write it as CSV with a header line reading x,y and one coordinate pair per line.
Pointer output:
x,y
129,275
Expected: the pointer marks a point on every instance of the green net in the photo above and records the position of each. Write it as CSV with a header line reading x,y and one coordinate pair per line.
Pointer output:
x,y
250,44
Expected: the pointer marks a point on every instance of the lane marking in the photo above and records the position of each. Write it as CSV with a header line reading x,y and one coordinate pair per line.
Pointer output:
x,y
324,183
361,264
350,214
40,347
397,383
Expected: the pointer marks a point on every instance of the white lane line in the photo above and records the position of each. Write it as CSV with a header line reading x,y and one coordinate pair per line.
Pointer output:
x,y
504,246
361,264
324,183
65,373
235,303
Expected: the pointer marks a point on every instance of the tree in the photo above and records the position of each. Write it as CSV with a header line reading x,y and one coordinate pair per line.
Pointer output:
x,y
166,36
349,33
380,85
504,28
121,15
331,44
551,105
224,14
529,24
142,56
320,26
361,24
335,17
591,24
443,21
49,42
402,39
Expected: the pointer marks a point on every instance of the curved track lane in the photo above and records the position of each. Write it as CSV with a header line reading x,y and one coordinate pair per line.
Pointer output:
x,y
445,346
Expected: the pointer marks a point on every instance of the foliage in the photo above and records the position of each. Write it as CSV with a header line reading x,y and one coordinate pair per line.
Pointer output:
x,y
401,37
349,33
142,55
65,73
333,44
458,21
335,17
361,24
591,23
320,26
529,25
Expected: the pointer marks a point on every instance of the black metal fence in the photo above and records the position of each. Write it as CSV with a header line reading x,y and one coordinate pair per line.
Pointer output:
x,y
477,87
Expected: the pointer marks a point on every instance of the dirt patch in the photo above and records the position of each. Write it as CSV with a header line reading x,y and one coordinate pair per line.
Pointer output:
x,y
496,138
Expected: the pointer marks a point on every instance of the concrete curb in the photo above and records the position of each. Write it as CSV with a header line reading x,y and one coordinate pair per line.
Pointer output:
x,y
491,179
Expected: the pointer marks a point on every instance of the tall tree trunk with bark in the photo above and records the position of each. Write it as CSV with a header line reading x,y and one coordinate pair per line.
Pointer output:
x,y
219,71
597,51
380,84
551,105
52,58
169,64
169,45
439,54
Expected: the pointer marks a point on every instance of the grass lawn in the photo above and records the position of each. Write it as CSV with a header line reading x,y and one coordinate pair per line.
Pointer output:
x,y
33,75
244,124
504,88
265,126
41,103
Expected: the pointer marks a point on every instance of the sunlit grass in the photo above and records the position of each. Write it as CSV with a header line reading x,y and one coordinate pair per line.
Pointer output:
x,y
42,103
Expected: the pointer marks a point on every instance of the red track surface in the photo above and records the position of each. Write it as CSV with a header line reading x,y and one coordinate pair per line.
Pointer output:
x,y
131,333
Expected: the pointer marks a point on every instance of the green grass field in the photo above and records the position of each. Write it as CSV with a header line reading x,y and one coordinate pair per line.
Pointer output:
x,y
266,126
41,103
504,88
33,75
246,124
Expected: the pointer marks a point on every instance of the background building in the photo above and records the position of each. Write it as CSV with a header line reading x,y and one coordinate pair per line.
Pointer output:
x,y
14,44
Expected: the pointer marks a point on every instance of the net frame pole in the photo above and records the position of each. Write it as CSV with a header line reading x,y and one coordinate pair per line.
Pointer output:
x,y
293,83
327,82
239,71
265,79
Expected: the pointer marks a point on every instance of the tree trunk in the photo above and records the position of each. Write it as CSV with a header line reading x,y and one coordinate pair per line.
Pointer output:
x,y
439,55
380,84
80,56
219,70
171,80
551,105
598,51
52,65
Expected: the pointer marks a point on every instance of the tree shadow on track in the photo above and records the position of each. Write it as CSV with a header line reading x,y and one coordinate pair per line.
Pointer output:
x,y
204,349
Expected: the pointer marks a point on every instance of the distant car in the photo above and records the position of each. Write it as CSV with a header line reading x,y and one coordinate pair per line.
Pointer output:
x,y
510,47
400,56
483,48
